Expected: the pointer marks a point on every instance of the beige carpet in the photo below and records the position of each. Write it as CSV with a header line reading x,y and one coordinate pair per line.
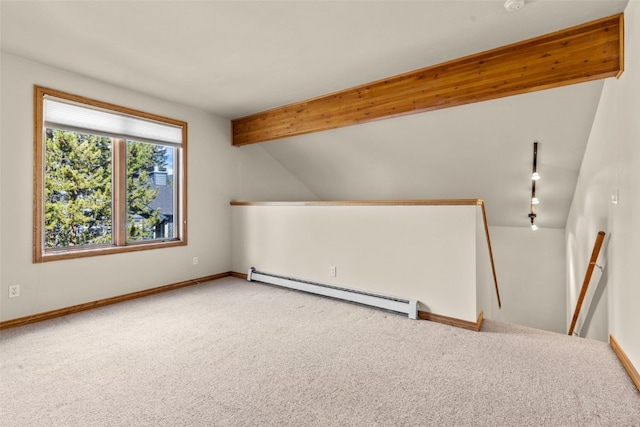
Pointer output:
x,y
233,353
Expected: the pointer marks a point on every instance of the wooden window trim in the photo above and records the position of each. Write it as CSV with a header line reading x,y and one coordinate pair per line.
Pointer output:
x,y
40,253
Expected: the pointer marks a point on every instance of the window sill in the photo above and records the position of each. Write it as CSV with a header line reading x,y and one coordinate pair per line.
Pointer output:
x,y
73,253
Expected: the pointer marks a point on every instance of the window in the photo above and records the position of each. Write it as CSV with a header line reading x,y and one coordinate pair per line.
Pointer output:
x,y
107,179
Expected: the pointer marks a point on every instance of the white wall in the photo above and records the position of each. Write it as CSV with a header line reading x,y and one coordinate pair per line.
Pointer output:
x,y
612,162
217,174
531,274
422,252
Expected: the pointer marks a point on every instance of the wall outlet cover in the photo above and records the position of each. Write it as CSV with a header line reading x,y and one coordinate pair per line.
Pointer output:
x,y
14,291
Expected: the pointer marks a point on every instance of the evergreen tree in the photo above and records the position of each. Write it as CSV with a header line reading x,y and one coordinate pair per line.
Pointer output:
x,y
78,189
141,160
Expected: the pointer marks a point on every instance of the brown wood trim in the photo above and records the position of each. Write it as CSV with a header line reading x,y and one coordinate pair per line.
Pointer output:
x,y
587,278
238,275
626,363
621,47
452,321
493,265
119,213
107,301
91,251
108,106
436,202
182,191
578,54
38,174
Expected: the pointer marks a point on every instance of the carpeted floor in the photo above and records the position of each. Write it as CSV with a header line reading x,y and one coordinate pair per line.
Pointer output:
x,y
233,353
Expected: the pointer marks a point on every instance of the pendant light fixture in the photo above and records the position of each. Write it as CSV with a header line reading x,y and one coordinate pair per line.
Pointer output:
x,y
535,176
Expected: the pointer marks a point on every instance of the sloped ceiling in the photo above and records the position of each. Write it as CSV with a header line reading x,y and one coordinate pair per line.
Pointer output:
x,y
482,150
240,57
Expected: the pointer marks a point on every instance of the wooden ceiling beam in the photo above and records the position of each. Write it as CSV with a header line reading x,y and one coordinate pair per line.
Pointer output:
x,y
579,54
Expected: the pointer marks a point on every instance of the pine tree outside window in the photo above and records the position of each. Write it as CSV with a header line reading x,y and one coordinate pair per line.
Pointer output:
x,y
107,179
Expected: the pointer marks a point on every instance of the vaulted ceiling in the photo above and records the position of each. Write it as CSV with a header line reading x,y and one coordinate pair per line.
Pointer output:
x,y
239,57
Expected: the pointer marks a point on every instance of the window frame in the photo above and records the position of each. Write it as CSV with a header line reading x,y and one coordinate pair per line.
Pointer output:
x,y
119,243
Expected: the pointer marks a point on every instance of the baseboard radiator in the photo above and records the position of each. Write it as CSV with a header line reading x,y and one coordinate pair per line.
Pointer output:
x,y
398,305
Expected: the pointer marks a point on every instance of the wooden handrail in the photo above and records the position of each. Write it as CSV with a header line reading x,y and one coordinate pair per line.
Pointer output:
x,y
587,279
493,265
435,202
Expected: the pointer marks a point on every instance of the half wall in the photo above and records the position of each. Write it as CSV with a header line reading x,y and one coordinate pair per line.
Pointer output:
x,y
424,250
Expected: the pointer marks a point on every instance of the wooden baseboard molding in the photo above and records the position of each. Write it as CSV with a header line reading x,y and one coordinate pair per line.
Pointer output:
x,y
626,363
452,321
238,275
107,301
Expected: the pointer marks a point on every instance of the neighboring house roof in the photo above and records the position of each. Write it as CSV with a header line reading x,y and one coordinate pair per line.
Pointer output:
x,y
164,198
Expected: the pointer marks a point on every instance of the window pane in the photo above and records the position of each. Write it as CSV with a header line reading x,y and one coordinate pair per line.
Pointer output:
x,y
78,187
151,201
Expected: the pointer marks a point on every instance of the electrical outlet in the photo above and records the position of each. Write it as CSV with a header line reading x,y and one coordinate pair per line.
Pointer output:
x,y
195,260
332,271
14,291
